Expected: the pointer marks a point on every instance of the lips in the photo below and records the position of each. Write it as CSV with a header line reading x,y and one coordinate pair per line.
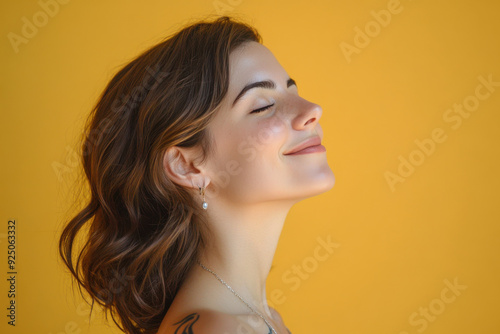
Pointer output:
x,y
305,144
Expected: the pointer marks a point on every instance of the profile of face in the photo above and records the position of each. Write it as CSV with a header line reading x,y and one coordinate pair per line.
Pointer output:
x,y
253,134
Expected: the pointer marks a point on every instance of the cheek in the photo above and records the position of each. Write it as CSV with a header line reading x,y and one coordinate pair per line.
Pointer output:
x,y
272,131
249,155
259,141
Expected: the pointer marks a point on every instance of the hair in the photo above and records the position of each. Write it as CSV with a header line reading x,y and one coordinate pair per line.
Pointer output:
x,y
144,231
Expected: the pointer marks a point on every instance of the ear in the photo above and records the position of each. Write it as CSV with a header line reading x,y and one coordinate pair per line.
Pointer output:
x,y
180,165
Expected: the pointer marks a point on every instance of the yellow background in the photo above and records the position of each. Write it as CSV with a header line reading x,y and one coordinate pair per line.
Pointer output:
x,y
396,246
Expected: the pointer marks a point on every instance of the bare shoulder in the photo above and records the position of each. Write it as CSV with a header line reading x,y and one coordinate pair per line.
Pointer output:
x,y
208,322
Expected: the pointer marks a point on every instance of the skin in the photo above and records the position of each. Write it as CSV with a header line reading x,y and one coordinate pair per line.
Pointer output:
x,y
246,210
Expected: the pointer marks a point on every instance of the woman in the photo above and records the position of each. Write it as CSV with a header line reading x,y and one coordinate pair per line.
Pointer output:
x,y
195,153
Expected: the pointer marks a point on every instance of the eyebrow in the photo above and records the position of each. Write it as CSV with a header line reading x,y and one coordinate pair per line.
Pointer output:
x,y
268,84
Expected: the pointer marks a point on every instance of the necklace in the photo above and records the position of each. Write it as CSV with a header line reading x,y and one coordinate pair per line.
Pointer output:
x,y
237,295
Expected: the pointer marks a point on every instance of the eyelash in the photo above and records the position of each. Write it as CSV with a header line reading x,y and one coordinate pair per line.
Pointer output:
x,y
262,109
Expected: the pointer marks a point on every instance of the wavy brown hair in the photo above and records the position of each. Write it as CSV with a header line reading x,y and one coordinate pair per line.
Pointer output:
x,y
144,232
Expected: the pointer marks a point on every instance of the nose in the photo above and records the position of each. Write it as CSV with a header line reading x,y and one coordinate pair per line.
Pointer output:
x,y
308,114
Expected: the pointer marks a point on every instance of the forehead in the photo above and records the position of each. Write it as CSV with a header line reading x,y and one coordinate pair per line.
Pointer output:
x,y
251,62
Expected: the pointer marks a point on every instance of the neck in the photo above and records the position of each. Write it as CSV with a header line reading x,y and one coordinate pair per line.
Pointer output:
x,y
242,249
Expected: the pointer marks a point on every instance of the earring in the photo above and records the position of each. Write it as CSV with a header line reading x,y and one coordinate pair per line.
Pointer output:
x,y
202,192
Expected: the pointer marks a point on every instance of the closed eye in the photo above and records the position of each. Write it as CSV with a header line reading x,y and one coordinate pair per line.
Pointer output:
x,y
262,109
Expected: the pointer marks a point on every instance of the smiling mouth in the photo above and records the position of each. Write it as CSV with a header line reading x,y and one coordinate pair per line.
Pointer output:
x,y
310,149
310,145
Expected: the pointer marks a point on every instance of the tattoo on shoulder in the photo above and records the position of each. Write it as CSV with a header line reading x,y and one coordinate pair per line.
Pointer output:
x,y
186,324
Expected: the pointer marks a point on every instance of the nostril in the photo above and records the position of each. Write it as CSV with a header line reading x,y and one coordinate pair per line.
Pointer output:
x,y
310,120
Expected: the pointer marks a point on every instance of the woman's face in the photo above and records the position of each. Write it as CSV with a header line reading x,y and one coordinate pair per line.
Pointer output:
x,y
250,164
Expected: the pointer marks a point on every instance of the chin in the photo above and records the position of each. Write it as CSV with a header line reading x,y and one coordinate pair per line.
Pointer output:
x,y
325,181
321,184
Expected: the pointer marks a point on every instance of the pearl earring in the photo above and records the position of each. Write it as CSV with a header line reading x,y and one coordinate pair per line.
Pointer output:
x,y
202,192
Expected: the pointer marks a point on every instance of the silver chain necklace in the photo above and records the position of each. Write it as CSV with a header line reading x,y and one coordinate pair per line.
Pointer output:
x,y
237,295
